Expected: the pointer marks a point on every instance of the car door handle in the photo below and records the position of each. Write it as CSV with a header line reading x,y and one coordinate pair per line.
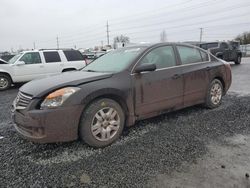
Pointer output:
x,y
208,68
176,76
41,66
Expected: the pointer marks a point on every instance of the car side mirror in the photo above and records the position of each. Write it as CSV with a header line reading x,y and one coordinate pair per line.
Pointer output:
x,y
20,63
145,68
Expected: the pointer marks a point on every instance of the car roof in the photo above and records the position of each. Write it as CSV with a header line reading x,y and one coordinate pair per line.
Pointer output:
x,y
49,50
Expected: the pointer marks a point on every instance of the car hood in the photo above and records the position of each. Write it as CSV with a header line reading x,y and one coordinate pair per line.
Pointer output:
x,y
40,87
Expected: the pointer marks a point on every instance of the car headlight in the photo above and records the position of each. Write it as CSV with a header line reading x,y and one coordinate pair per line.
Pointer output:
x,y
58,97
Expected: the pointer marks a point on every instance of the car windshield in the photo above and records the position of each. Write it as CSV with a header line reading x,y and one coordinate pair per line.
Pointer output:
x,y
13,59
114,61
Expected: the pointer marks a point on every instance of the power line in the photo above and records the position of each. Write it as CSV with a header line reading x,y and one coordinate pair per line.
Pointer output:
x,y
90,28
156,11
189,24
193,17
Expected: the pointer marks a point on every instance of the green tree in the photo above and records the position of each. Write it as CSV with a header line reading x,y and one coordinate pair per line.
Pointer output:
x,y
244,38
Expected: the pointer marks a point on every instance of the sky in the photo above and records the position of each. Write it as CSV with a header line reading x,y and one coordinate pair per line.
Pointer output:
x,y
26,24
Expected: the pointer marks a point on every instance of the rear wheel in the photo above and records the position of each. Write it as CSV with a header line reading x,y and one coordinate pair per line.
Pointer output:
x,y
5,82
102,123
214,94
238,60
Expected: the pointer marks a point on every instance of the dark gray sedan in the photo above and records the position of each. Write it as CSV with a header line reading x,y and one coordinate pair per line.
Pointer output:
x,y
118,89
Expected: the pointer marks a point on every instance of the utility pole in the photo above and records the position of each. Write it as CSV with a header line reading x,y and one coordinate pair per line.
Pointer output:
x,y
201,33
57,42
108,32
34,45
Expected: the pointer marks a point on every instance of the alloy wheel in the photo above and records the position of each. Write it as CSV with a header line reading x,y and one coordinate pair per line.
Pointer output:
x,y
3,83
216,93
105,124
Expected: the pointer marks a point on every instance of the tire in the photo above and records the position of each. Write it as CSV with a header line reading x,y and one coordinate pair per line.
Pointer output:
x,y
214,94
238,60
98,119
5,82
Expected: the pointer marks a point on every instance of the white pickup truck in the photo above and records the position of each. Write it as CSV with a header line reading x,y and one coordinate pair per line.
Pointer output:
x,y
29,65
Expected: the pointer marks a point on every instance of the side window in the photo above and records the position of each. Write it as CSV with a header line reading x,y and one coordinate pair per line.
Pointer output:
x,y
224,45
51,57
212,45
31,58
73,55
162,57
204,46
204,56
189,55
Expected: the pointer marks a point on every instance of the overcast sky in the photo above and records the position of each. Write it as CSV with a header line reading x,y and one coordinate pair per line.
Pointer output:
x,y
82,23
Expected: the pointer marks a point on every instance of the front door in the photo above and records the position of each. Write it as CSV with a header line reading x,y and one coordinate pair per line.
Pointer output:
x,y
159,90
32,69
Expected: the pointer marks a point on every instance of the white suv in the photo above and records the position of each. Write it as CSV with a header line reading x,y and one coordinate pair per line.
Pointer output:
x,y
30,65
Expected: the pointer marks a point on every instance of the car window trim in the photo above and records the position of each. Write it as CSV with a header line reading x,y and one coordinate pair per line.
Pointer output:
x,y
177,66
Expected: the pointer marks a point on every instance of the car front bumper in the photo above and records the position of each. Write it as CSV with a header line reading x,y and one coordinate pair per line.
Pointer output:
x,y
50,125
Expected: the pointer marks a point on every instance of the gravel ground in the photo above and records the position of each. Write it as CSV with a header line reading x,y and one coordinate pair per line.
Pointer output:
x,y
157,146
154,146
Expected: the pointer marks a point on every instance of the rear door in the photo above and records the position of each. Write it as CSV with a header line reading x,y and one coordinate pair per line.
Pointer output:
x,y
53,63
195,71
159,90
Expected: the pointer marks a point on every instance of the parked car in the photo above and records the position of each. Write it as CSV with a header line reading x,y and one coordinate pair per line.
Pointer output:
x,y
30,65
91,56
118,89
228,51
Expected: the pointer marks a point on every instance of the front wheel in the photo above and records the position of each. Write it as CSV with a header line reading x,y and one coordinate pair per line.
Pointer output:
x,y
5,82
214,94
102,123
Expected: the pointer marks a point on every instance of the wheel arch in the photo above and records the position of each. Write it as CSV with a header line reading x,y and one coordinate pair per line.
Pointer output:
x,y
112,94
7,74
222,82
69,69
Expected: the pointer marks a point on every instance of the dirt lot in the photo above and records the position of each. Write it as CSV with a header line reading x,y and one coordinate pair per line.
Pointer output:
x,y
194,147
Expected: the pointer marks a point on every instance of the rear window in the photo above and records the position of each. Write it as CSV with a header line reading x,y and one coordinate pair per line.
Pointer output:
x,y
73,55
51,57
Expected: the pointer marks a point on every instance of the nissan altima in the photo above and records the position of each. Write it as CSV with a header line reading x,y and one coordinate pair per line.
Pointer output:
x,y
118,89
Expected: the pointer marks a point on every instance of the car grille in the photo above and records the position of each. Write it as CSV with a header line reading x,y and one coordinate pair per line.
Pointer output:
x,y
22,100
